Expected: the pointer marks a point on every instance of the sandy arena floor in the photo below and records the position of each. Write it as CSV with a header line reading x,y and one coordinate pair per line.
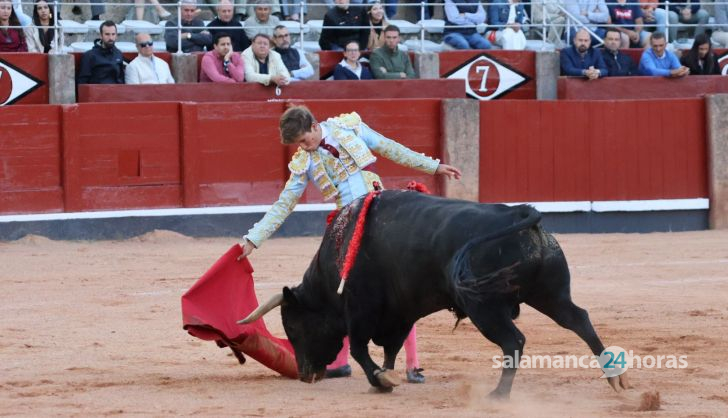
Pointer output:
x,y
94,328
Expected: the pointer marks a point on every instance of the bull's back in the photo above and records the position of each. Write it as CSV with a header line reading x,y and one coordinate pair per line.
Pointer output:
x,y
410,239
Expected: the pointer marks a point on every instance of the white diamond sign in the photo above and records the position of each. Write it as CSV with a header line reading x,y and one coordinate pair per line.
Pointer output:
x,y
487,79
15,83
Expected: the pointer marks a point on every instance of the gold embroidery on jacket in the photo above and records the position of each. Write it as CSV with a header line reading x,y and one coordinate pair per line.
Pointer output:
x,y
299,162
321,177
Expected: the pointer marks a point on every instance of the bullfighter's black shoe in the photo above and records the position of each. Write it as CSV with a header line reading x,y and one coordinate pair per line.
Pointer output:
x,y
415,376
343,371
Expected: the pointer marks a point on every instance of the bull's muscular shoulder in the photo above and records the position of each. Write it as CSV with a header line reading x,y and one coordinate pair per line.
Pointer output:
x,y
299,162
347,120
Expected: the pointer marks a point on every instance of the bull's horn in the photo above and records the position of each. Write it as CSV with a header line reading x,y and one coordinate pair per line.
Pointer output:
x,y
263,309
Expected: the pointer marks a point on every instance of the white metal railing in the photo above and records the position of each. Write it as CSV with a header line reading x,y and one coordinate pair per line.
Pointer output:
x,y
541,27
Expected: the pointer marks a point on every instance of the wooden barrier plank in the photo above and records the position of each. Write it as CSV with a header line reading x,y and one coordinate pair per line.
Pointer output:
x,y
238,156
30,159
121,156
626,88
601,150
303,90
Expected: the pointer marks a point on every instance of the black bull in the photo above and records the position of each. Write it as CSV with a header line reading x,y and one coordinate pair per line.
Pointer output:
x,y
420,254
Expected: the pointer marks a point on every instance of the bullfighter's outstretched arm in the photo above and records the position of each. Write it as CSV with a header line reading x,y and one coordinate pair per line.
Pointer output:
x,y
397,152
280,210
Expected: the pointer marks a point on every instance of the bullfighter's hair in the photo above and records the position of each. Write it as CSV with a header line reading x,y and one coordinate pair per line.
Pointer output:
x,y
295,121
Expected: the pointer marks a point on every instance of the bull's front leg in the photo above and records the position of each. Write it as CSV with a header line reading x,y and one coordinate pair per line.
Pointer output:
x,y
380,378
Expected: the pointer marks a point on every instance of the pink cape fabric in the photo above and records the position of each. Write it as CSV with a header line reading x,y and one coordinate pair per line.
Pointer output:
x,y
222,296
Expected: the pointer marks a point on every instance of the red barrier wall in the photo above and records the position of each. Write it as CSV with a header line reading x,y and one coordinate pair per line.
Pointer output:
x,y
232,155
121,156
306,90
29,76
30,159
521,62
146,155
577,151
640,87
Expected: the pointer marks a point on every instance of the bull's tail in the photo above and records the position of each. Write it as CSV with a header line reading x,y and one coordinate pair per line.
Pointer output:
x,y
467,284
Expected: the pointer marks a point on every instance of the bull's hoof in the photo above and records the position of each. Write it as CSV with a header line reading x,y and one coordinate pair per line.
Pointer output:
x,y
622,380
497,395
380,389
387,379
619,382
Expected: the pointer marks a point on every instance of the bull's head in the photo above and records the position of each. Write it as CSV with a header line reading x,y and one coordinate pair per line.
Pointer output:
x,y
316,332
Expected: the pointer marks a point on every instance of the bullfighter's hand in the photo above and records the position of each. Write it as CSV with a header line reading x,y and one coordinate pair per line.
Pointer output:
x,y
247,248
449,171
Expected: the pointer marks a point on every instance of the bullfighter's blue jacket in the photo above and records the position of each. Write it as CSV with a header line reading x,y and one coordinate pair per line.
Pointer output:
x,y
345,178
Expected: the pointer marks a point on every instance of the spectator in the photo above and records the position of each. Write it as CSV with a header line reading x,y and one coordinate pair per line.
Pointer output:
x,y
294,60
581,59
701,60
222,64
340,27
549,12
246,9
377,23
617,63
262,65
464,15
629,21
389,62
139,9
350,68
103,64
648,15
590,13
39,36
146,68
291,9
194,38
687,12
261,21
720,35
658,61
228,23
11,39
508,20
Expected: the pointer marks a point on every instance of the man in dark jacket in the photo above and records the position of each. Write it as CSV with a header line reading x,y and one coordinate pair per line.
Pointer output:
x,y
338,31
294,59
618,64
581,60
103,64
226,22
194,36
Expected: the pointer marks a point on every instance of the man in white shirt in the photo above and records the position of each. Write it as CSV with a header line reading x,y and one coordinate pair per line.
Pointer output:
x,y
262,64
146,68
262,21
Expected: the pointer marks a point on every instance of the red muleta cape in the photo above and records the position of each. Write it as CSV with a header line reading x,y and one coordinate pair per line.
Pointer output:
x,y
222,296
